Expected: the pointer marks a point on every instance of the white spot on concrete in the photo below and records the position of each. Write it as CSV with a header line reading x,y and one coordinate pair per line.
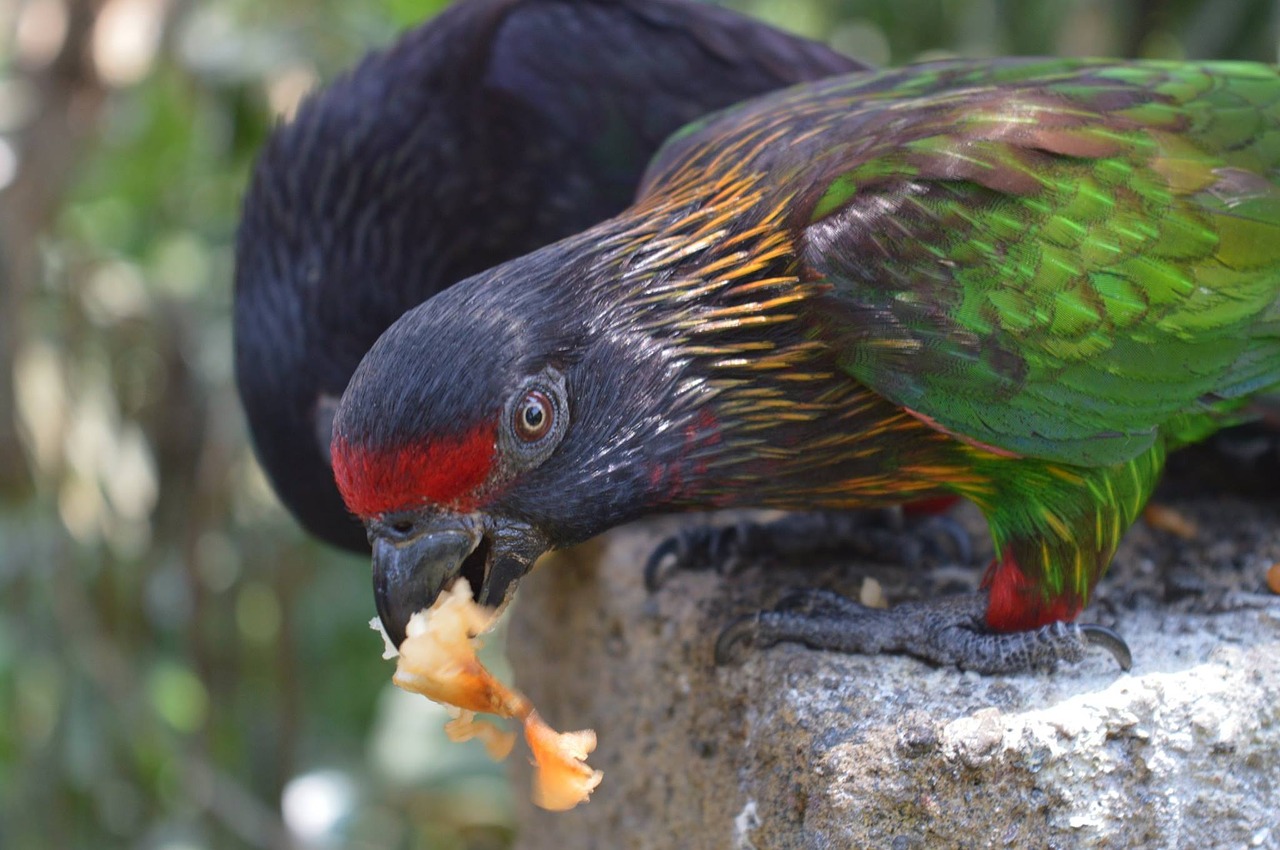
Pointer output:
x,y
747,822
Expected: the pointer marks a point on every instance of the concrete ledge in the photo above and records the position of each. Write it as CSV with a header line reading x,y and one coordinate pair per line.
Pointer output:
x,y
803,749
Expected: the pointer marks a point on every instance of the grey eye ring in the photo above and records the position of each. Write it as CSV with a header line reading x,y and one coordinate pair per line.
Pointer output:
x,y
536,418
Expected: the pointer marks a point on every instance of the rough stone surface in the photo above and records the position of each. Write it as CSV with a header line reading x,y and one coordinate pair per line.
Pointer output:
x,y
800,749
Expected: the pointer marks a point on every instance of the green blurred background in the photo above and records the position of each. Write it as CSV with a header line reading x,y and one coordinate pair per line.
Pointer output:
x,y
179,667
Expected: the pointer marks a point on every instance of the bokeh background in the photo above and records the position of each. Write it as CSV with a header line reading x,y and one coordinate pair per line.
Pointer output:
x,y
180,668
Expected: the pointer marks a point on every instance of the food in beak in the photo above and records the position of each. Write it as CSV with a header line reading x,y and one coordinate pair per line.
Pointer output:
x,y
438,660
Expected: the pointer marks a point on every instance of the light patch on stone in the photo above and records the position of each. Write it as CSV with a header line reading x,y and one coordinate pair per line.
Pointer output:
x,y
747,822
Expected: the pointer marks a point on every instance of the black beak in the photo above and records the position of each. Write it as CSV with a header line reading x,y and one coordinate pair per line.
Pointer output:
x,y
416,558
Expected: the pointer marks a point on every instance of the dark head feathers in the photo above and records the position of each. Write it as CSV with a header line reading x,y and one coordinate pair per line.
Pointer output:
x,y
498,127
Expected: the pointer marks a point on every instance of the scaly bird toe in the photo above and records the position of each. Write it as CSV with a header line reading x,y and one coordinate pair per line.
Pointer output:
x,y
704,547
879,536
947,632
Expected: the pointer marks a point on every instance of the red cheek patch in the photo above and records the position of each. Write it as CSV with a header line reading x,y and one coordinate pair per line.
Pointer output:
x,y
443,472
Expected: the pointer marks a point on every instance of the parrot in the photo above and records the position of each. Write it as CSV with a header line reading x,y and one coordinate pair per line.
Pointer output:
x,y
1022,282
496,128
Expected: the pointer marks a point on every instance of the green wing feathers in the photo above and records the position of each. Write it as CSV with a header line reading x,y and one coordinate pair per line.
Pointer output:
x,y
1064,261
1070,266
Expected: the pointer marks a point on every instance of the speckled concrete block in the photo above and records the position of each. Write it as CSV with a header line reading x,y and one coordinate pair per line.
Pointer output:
x,y
800,749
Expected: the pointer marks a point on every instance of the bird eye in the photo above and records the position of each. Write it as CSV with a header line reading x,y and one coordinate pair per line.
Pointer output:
x,y
534,416
535,419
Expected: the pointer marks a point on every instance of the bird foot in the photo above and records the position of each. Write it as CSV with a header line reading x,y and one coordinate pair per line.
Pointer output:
x,y
723,548
946,631
880,536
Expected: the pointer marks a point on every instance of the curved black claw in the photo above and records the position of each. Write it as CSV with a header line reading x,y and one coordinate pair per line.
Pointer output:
x,y
653,568
1110,640
949,631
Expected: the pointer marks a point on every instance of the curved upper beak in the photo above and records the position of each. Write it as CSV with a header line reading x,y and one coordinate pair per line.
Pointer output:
x,y
411,568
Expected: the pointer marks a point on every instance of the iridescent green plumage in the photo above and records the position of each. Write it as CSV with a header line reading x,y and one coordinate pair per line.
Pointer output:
x,y
1069,267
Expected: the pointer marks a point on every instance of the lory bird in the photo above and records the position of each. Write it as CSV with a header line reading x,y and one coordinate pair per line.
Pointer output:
x,y
1020,282
498,127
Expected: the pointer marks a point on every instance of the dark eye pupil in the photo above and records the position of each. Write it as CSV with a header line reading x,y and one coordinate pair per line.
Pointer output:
x,y
533,418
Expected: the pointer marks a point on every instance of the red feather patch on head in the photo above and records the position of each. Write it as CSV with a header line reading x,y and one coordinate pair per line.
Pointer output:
x,y
445,472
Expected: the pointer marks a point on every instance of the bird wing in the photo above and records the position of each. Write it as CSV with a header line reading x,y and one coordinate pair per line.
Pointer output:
x,y
1063,261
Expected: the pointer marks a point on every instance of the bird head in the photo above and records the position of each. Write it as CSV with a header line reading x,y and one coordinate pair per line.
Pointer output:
x,y
494,129
503,417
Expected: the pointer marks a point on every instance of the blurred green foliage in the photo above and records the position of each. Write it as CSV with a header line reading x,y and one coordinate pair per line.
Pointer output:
x,y
179,666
